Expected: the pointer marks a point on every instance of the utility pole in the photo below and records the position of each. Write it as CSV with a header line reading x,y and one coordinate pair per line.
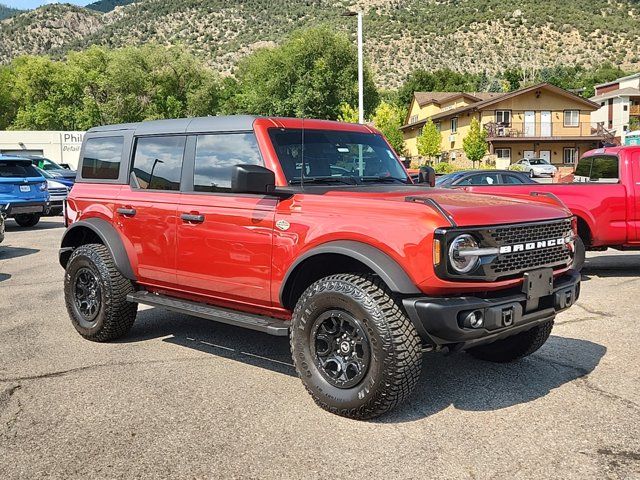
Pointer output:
x,y
360,66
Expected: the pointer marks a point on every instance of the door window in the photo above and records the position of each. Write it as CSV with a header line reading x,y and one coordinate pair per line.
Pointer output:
x,y
512,179
157,162
481,179
217,154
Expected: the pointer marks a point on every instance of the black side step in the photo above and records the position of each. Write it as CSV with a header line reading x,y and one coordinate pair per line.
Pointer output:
x,y
272,326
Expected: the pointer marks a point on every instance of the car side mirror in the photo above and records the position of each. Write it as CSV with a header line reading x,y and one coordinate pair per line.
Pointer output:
x,y
252,179
427,175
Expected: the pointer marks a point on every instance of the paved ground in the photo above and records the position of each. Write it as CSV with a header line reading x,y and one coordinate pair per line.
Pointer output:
x,y
186,398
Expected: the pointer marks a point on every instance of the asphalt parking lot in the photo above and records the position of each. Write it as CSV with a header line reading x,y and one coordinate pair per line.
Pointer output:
x,y
182,397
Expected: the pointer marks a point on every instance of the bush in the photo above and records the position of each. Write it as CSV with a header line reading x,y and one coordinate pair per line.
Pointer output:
x,y
444,167
516,168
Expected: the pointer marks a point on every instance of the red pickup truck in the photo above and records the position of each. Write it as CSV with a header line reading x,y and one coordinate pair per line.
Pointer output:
x,y
603,193
314,230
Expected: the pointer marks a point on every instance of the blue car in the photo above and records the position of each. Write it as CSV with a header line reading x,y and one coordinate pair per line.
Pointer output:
x,y
23,191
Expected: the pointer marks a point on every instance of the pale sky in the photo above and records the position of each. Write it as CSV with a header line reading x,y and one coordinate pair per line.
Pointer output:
x,y
26,4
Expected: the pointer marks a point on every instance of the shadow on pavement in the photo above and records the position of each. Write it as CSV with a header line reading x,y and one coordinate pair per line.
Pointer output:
x,y
4,276
469,384
457,380
14,252
612,266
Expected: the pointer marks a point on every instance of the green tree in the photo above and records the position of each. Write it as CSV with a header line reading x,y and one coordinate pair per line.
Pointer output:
x,y
429,140
310,75
444,80
475,143
388,119
348,113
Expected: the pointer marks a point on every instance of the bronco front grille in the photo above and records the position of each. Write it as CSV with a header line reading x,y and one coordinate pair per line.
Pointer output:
x,y
522,247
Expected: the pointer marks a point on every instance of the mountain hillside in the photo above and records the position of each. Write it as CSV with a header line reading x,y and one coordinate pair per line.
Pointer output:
x,y
400,35
6,12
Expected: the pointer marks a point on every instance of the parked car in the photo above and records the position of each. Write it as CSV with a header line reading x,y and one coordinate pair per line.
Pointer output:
x,y
537,167
604,195
58,192
58,172
23,191
483,177
363,269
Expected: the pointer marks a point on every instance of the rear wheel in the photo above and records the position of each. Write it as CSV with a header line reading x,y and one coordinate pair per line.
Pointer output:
x,y
515,347
96,295
353,347
27,219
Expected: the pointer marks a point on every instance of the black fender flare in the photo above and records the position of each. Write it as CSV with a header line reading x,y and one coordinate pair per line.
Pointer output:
x,y
382,265
109,237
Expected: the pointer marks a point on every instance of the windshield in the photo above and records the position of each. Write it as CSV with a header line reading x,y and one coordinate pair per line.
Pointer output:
x,y
538,161
46,164
44,173
17,170
336,157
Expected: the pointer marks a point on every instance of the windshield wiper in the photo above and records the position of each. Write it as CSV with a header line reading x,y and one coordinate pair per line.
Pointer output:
x,y
324,179
382,179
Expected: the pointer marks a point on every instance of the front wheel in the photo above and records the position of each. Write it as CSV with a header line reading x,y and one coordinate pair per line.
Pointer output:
x,y
531,174
515,347
27,219
579,255
353,347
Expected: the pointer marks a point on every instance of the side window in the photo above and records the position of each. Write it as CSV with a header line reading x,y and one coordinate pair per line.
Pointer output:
x,y
485,179
102,158
603,169
512,179
157,162
217,154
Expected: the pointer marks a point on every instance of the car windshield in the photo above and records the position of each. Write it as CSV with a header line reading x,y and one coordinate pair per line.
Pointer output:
x,y
336,157
46,164
44,173
538,161
9,169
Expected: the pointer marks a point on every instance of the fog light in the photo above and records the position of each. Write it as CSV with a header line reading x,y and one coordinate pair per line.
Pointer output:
x,y
474,319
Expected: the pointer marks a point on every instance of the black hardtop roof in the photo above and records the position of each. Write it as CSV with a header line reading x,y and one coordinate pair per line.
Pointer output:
x,y
230,123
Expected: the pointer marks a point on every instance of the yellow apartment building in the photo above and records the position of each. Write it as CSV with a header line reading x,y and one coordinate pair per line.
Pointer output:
x,y
541,121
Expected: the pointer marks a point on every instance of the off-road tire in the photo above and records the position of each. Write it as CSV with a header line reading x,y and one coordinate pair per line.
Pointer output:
x,y
513,348
395,346
27,219
115,315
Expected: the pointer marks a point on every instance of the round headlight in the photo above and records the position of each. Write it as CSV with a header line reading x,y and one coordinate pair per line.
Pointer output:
x,y
460,255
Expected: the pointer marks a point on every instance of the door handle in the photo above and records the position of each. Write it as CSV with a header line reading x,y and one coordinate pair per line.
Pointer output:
x,y
126,212
192,218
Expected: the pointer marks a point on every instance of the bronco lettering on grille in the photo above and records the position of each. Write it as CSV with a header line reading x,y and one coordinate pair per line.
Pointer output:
x,y
522,247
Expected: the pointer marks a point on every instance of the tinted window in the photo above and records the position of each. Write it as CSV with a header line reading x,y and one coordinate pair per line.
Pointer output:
x,y
597,169
102,158
17,170
482,179
158,162
349,157
512,179
217,154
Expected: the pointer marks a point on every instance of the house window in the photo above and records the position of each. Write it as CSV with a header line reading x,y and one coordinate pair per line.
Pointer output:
x,y
454,125
570,156
503,118
571,118
413,119
503,154
602,104
438,126
625,108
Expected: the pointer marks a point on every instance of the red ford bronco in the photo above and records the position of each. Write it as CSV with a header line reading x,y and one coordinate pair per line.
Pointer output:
x,y
311,229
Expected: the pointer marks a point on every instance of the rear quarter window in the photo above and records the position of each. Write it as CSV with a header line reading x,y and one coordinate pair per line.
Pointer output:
x,y
102,157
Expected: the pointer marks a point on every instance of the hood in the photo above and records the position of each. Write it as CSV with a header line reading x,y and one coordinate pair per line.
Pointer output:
x,y
469,209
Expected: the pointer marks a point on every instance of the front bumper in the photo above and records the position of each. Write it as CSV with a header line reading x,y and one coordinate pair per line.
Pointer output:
x,y
441,320
16,208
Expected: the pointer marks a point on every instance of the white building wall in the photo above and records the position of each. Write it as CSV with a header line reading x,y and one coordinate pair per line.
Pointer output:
x,y
61,147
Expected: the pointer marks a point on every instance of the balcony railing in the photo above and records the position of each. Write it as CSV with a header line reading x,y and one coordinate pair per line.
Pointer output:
x,y
546,130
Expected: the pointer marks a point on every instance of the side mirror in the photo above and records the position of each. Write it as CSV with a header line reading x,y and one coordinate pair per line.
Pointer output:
x,y
252,179
427,175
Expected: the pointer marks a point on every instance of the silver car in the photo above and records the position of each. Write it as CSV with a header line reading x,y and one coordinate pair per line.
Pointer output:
x,y
57,194
537,167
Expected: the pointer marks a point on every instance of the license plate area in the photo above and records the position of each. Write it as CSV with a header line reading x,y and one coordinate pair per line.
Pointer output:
x,y
25,188
28,209
538,283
